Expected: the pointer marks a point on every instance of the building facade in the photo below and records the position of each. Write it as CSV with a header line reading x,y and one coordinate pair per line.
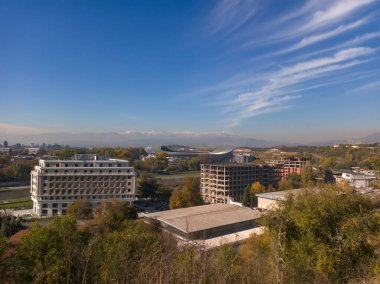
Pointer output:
x,y
290,165
55,184
220,182
354,179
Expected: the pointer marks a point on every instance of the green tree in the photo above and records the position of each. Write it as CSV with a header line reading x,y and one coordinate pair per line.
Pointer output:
x,y
50,254
327,236
246,200
147,185
307,176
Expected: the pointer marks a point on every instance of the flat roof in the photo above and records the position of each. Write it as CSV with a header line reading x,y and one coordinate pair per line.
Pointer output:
x,y
199,218
240,165
279,195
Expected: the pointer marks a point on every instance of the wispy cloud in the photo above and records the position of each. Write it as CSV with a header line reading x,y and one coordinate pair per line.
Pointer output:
x,y
375,85
306,41
316,22
229,15
335,12
277,91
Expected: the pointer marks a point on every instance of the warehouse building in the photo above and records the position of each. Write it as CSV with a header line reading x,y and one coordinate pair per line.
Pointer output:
x,y
206,221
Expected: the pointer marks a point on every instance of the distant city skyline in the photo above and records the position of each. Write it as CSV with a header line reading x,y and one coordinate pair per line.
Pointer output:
x,y
293,71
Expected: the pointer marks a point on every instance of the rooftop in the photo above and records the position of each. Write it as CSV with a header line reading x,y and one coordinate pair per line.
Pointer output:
x,y
239,165
199,218
280,195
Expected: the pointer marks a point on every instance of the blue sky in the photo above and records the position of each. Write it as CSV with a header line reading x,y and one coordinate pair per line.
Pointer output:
x,y
283,70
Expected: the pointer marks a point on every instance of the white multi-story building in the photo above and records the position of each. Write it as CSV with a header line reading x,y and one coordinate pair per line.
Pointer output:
x,y
55,184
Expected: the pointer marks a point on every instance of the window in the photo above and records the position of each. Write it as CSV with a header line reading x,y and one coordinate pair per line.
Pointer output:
x,y
57,165
44,212
44,205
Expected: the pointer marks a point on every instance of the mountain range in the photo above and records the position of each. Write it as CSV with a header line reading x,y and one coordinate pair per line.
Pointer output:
x,y
158,138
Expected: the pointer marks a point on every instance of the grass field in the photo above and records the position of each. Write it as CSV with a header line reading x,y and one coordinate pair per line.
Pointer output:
x,y
15,187
25,202
178,175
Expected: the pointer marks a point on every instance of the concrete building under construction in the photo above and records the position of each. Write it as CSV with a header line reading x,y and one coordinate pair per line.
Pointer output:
x,y
220,182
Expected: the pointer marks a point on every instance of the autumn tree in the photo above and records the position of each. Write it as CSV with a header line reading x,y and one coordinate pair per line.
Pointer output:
x,y
80,209
188,196
112,214
256,188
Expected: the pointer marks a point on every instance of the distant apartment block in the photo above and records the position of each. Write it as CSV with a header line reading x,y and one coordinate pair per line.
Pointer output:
x,y
220,182
55,184
290,165
4,151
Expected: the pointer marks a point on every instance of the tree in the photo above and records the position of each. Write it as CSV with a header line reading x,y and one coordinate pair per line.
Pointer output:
x,y
114,213
192,191
80,209
177,200
284,184
328,235
188,196
247,196
50,254
147,185
307,176
256,188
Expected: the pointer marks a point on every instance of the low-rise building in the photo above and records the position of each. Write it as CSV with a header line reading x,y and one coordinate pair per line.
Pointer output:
x,y
271,200
215,223
55,184
355,179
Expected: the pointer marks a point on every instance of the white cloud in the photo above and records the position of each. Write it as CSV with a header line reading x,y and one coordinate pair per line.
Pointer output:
x,y
335,12
326,35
